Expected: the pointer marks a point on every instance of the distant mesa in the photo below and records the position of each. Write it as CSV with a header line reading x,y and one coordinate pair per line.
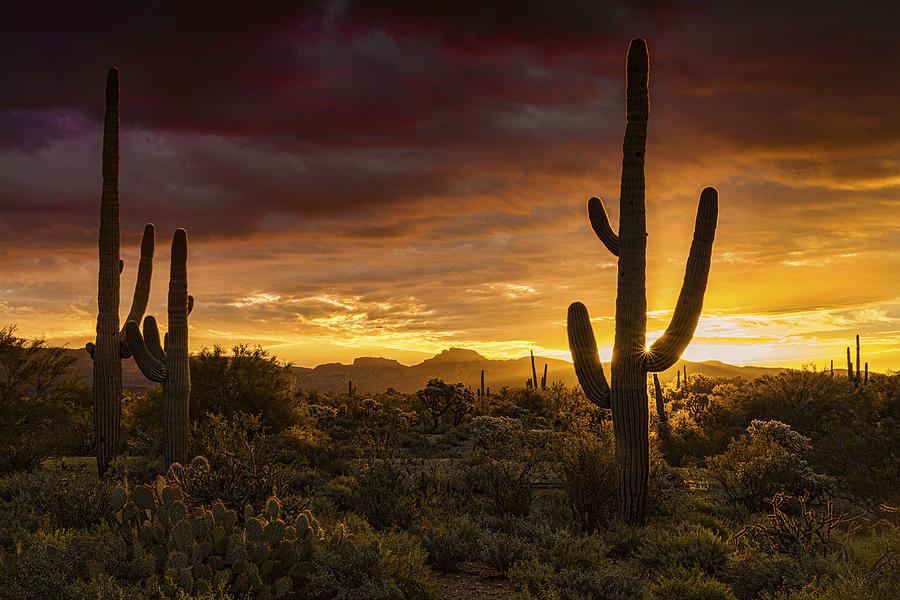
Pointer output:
x,y
456,355
376,374
370,362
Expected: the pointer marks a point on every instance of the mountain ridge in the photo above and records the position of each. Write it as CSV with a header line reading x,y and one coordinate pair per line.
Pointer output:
x,y
374,374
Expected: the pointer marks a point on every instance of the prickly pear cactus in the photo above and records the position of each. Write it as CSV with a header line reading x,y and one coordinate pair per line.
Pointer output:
x,y
202,550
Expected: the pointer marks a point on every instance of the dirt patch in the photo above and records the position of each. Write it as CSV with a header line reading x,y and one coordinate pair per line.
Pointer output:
x,y
474,584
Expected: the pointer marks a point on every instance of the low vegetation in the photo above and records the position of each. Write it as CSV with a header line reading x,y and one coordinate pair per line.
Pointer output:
x,y
783,488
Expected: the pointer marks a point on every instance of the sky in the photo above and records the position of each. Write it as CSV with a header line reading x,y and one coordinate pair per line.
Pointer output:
x,y
364,178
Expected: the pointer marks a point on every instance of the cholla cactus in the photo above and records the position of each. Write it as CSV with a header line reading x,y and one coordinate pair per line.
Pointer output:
x,y
109,348
631,360
212,549
169,365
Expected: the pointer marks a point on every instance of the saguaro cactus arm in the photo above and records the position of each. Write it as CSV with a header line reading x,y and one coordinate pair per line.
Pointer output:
x,y
148,355
601,226
666,351
141,290
585,356
145,269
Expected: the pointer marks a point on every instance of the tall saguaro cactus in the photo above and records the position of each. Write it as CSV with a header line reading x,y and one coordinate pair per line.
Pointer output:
x,y
110,347
169,365
631,360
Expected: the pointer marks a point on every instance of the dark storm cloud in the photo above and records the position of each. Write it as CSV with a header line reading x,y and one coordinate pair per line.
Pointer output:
x,y
362,166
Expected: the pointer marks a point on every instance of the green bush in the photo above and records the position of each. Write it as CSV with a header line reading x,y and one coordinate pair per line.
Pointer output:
x,y
370,566
43,403
623,539
842,588
588,463
753,574
686,584
564,550
46,565
687,546
500,551
540,581
450,540
65,498
383,494
250,381
768,460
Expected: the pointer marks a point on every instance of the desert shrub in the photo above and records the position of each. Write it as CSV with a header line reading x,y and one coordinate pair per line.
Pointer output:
x,y
443,485
500,551
588,463
66,498
450,540
43,402
141,427
383,493
684,546
841,588
687,584
563,550
622,538
508,460
768,460
860,443
221,438
250,381
303,443
540,581
45,565
383,566
138,468
753,574
803,399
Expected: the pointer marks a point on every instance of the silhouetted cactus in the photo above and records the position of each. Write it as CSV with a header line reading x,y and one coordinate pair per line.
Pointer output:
x,y
534,378
544,378
110,347
169,365
660,406
849,365
856,377
631,360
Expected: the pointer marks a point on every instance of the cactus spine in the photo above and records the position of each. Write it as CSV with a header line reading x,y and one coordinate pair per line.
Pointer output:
x,y
169,365
631,361
109,347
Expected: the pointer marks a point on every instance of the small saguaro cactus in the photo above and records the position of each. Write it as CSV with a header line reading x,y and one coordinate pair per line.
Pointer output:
x,y
169,364
109,348
544,378
660,407
631,360
534,378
